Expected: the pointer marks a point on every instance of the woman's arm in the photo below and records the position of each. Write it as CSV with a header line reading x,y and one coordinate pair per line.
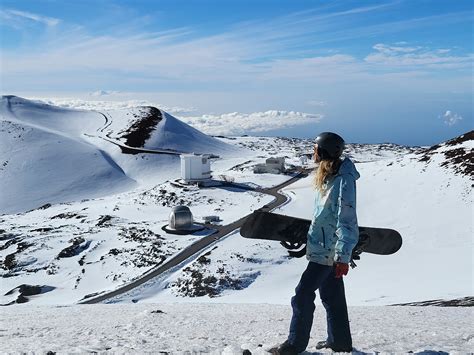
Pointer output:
x,y
347,230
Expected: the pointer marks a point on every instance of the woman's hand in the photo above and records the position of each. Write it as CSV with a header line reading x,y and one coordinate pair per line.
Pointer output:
x,y
341,269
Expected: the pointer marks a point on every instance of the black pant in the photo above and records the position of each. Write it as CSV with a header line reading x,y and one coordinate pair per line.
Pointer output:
x,y
331,291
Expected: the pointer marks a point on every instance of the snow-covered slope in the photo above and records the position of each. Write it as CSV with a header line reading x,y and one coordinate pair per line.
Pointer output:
x,y
99,238
225,329
50,155
101,222
44,159
428,201
171,133
456,154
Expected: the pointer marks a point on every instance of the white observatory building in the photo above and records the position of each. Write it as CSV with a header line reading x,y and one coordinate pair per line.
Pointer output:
x,y
195,168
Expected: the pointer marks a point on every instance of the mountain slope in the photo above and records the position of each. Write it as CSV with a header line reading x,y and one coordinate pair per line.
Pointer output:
x,y
68,251
428,202
150,128
50,154
456,154
43,161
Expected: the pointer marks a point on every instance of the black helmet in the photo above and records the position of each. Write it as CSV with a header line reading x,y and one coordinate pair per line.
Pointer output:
x,y
330,145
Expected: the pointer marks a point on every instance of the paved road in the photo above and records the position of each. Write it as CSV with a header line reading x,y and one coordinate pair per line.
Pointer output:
x,y
201,244
132,150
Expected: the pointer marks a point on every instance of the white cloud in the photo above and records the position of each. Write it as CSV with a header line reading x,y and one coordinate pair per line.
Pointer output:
x,y
416,57
443,51
100,93
158,58
101,105
383,48
450,118
12,17
242,123
234,123
248,68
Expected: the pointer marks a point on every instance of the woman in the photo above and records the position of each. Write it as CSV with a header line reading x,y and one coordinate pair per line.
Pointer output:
x,y
331,237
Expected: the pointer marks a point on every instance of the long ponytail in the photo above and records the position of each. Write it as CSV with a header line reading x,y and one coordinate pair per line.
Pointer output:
x,y
325,170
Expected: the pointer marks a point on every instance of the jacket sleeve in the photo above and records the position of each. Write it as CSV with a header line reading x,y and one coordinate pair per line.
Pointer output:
x,y
347,230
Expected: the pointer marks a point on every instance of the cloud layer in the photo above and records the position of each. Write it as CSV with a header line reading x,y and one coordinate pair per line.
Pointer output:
x,y
252,53
417,57
15,18
374,71
228,124
235,123
103,105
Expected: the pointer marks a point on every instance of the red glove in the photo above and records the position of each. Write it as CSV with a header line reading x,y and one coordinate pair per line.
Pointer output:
x,y
341,269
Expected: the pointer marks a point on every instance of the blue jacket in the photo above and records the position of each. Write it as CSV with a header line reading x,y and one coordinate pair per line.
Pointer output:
x,y
334,231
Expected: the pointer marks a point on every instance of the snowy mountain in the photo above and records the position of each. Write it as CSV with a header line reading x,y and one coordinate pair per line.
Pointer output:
x,y
85,196
102,211
51,155
428,201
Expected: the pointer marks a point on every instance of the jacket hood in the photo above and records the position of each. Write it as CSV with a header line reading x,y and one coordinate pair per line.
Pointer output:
x,y
348,168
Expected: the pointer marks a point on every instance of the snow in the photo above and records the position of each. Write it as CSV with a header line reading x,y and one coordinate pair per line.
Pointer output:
x,y
433,215
70,159
41,165
224,329
109,208
139,210
432,210
52,159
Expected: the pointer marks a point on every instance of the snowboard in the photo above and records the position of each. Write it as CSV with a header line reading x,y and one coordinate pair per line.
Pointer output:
x,y
292,232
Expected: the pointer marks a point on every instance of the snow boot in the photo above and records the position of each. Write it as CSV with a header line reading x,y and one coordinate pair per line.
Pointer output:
x,y
284,349
337,349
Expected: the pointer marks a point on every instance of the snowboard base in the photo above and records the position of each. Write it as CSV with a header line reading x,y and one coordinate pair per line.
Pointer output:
x,y
292,233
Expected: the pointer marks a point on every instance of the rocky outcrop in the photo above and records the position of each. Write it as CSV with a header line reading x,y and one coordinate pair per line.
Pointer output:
x,y
24,291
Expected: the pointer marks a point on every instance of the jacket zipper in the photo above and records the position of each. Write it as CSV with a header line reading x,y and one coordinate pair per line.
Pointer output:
x,y
324,238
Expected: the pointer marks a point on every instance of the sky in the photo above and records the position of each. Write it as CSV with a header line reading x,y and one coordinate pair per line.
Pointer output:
x,y
372,71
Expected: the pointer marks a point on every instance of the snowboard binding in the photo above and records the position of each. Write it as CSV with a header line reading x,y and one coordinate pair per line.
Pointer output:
x,y
298,250
293,247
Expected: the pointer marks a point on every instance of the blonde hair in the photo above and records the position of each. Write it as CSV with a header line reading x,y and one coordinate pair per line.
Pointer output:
x,y
325,170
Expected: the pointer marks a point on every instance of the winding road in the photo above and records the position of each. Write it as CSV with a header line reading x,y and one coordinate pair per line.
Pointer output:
x,y
201,244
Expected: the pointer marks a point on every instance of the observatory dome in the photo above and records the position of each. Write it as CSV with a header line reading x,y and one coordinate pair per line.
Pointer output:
x,y
181,218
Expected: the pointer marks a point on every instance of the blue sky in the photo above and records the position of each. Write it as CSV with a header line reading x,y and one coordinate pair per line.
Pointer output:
x,y
374,71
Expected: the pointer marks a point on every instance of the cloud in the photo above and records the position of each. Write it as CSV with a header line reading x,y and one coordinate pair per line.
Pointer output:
x,y
416,57
235,123
100,93
450,118
102,105
247,68
392,50
247,52
13,17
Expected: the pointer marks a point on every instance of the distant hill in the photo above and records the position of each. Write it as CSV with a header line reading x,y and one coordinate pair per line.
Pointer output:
x,y
50,154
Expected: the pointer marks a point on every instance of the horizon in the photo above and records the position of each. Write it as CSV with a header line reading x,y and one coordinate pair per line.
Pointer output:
x,y
120,105
382,71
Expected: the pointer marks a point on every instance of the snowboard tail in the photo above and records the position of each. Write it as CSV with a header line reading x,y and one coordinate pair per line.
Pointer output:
x,y
292,233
